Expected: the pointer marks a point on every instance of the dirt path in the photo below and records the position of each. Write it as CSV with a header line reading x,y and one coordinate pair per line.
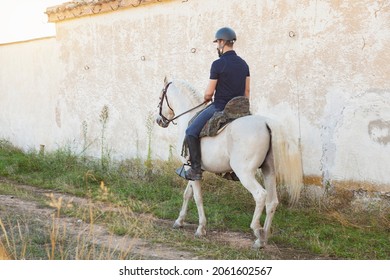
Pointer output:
x,y
137,247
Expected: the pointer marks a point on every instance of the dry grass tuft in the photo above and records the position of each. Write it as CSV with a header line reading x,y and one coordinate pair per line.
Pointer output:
x,y
3,253
343,219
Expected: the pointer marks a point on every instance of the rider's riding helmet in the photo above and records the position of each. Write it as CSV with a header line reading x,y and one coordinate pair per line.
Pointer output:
x,y
227,34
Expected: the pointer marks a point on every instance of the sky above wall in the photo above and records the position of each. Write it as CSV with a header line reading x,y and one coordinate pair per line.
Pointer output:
x,y
25,19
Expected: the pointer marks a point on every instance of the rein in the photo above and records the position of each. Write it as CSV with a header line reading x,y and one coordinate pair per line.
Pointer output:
x,y
164,96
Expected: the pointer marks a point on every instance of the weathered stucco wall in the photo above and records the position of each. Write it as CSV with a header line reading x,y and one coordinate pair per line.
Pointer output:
x,y
29,78
320,67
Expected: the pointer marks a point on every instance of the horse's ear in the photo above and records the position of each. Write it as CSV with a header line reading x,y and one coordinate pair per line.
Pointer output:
x,y
165,80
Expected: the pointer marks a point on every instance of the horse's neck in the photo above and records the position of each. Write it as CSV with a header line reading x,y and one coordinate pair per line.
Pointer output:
x,y
182,124
184,101
182,121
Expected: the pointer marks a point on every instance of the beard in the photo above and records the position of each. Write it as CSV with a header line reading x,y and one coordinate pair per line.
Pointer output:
x,y
220,53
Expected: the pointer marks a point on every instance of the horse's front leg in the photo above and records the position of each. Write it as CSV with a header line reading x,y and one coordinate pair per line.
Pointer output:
x,y
201,230
188,193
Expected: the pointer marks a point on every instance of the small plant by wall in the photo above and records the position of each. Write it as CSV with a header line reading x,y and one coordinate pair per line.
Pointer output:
x,y
104,155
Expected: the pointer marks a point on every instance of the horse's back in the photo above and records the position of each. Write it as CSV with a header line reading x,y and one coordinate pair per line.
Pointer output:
x,y
250,125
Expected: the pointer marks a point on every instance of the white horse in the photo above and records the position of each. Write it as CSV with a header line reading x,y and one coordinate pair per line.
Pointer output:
x,y
244,146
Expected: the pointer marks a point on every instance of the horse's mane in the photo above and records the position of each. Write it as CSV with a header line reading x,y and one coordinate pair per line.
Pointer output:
x,y
189,90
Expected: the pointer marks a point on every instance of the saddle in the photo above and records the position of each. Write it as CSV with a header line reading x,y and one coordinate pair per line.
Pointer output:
x,y
236,108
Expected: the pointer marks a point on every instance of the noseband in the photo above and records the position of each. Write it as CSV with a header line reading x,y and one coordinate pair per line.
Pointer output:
x,y
164,97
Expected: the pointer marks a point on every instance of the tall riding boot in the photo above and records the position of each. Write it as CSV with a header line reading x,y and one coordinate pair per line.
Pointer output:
x,y
195,172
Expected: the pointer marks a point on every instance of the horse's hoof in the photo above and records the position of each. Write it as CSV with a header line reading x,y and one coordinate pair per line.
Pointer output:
x,y
199,235
177,225
200,232
259,244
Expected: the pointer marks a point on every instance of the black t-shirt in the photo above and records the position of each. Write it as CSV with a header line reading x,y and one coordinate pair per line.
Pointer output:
x,y
231,71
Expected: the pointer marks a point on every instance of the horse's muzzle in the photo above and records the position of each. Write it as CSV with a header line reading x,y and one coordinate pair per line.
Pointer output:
x,y
160,121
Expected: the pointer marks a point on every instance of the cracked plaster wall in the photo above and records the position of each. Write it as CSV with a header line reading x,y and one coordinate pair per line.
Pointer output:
x,y
321,68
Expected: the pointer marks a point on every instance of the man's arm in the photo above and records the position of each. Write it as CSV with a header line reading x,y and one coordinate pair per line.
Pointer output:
x,y
247,86
209,93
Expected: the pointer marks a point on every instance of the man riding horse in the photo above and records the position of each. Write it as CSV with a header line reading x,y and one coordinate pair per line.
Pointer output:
x,y
229,78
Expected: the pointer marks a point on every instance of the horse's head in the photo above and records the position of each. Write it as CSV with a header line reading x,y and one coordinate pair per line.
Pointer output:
x,y
173,96
165,113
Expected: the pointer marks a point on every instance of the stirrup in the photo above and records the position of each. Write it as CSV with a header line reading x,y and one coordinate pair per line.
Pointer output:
x,y
181,171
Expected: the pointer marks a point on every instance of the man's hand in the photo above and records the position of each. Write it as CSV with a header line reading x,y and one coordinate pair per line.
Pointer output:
x,y
208,98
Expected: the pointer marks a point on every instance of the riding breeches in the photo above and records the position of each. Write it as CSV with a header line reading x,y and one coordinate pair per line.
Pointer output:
x,y
198,123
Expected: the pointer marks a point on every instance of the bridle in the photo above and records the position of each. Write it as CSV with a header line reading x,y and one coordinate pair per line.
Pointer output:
x,y
160,104
164,97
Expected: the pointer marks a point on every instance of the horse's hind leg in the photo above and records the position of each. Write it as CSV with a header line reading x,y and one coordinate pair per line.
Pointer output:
x,y
188,193
249,181
272,197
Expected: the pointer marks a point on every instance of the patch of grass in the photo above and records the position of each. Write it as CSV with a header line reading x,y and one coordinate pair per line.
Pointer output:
x,y
153,189
320,233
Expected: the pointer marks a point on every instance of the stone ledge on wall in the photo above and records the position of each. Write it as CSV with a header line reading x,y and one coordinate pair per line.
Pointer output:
x,y
81,8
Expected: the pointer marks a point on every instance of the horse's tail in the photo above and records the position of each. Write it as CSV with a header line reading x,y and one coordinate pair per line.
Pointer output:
x,y
288,162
